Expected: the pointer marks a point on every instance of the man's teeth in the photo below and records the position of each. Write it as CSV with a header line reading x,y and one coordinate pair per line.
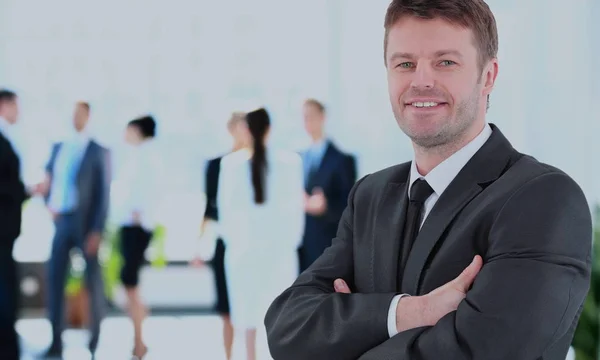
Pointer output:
x,y
424,104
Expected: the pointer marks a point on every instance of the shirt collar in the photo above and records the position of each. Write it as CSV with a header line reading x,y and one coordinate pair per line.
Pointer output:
x,y
79,137
318,147
4,125
442,175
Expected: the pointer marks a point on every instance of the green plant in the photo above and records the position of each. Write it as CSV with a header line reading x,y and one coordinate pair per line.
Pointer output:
x,y
586,341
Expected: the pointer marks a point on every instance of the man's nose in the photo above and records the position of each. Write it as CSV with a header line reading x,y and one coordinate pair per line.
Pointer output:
x,y
423,77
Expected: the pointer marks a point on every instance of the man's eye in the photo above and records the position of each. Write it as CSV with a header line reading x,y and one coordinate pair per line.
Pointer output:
x,y
405,65
447,62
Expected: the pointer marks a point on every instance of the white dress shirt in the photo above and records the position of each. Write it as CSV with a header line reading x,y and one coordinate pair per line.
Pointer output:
x,y
439,178
77,142
138,187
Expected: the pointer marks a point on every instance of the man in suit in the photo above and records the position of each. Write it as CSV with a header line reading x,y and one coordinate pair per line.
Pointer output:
x,y
78,195
12,196
470,251
329,176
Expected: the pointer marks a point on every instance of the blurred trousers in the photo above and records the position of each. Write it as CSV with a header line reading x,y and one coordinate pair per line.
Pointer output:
x,y
9,295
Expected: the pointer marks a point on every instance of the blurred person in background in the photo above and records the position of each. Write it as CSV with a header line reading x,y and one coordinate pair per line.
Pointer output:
x,y
139,201
329,175
77,196
12,196
261,217
238,129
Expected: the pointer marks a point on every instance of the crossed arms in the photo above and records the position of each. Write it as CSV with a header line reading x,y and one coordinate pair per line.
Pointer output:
x,y
525,297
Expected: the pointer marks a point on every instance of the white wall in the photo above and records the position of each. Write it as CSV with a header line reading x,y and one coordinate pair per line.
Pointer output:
x,y
544,98
191,63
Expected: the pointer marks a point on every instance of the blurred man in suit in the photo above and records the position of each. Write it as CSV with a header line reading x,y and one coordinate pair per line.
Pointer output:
x,y
12,196
78,179
329,176
472,251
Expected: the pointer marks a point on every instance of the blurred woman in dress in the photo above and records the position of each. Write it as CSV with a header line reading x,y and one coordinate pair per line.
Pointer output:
x,y
239,132
261,216
138,203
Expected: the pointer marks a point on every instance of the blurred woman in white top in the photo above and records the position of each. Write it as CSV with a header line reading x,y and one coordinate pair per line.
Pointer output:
x,y
138,201
261,218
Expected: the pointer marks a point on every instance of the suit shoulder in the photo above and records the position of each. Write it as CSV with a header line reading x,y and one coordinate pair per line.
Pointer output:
x,y
4,141
393,174
236,158
531,173
529,168
212,165
214,161
98,146
369,189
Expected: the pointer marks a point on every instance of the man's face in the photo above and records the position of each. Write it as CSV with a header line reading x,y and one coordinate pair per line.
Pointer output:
x,y
81,117
10,110
436,86
132,135
314,120
239,132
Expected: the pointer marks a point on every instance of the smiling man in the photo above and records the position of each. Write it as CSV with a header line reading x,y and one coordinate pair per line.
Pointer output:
x,y
470,251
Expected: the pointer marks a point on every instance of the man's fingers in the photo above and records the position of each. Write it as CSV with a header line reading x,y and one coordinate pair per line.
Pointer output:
x,y
340,286
466,278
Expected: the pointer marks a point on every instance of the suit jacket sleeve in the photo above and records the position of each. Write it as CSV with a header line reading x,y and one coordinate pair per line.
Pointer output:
x,y
225,198
345,177
211,184
50,168
310,321
103,189
530,290
351,165
12,190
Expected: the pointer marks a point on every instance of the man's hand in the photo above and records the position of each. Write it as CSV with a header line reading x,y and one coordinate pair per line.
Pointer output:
x,y
41,188
53,214
427,310
316,203
92,243
197,262
341,287
446,298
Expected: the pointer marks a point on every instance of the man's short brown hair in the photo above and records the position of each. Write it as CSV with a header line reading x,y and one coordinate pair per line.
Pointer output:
x,y
316,103
471,14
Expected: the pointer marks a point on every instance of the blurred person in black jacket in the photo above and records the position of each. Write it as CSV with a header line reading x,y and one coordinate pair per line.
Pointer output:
x,y
329,175
12,196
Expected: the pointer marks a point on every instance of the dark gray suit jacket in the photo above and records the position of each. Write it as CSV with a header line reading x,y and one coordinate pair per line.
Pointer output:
x,y
529,221
93,185
12,196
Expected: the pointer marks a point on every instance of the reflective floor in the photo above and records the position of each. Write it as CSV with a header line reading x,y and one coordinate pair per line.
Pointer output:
x,y
167,337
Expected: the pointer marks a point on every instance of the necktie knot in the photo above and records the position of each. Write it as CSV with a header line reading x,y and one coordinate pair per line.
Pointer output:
x,y
420,191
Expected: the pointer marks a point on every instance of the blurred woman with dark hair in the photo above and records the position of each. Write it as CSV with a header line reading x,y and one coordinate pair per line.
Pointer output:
x,y
238,129
261,216
137,211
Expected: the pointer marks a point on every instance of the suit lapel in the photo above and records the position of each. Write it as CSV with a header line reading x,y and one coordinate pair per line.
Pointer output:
x,y
84,162
316,176
456,196
389,226
484,167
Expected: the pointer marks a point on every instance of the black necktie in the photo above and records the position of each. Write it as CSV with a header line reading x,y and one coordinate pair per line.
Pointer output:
x,y
419,192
